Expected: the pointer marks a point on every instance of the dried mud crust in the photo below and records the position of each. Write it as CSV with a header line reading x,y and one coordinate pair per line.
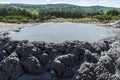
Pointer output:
x,y
75,60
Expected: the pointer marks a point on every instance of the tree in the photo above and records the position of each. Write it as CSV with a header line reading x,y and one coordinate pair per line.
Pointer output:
x,y
113,12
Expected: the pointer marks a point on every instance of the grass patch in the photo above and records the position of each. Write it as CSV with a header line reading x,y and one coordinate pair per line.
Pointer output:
x,y
15,19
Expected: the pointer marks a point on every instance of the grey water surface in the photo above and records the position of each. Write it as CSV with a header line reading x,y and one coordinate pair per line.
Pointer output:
x,y
60,32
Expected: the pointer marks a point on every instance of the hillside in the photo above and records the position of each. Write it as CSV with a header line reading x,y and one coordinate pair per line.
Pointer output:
x,y
56,7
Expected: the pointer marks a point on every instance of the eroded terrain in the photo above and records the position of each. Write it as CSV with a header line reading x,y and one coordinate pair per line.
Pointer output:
x,y
75,60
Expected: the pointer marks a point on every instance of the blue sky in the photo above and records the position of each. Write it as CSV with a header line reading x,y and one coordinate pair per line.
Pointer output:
x,y
110,3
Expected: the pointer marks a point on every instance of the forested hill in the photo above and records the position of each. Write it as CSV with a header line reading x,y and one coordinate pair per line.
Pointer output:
x,y
58,7
23,13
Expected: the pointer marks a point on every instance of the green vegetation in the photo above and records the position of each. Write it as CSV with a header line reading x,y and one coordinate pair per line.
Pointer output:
x,y
16,16
106,17
15,19
23,13
58,7
59,14
101,16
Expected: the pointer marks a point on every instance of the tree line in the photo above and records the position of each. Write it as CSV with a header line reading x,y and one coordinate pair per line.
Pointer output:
x,y
16,12
108,16
100,15
60,14
16,15
22,15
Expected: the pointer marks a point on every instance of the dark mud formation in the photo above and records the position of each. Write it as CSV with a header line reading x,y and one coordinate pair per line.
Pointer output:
x,y
24,60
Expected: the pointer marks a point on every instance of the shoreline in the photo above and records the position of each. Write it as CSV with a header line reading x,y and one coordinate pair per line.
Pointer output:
x,y
14,26
81,20
75,20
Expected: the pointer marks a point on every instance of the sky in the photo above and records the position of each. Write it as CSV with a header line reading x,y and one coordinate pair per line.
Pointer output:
x,y
109,3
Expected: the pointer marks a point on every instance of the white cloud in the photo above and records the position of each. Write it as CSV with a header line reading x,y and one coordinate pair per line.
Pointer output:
x,y
4,2
54,2
103,2
83,3
48,1
58,2
108,3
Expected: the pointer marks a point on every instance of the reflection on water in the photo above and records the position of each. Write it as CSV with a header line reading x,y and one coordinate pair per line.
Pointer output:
x,y
60,32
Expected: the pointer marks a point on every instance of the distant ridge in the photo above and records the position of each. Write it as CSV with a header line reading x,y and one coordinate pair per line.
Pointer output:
x,y
56,7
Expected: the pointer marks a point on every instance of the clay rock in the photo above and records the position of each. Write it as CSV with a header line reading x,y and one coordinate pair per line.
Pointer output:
x,y
40,45
11,65
4,76
108,63
116,46
3,55
91,57
87,45
102,73
105,68
35,59
69,73
32,65
101,46
118,68
68,59
53,54
78,52
105,76
69,46
58,68
34,77
116,24
111,40
86,72
48,48
75,47
4,40
60,47
82,45
61,70
26,50
114,54
5,33
27,47
44,58
11,47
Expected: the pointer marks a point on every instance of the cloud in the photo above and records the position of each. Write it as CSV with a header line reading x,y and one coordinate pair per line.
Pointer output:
x,y
109,3
58,2
83,3
4,2
48,1
54,2
103,2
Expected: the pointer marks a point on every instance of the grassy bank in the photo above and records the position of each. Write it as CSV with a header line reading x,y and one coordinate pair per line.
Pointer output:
x,y
16,19
19,19
82,20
